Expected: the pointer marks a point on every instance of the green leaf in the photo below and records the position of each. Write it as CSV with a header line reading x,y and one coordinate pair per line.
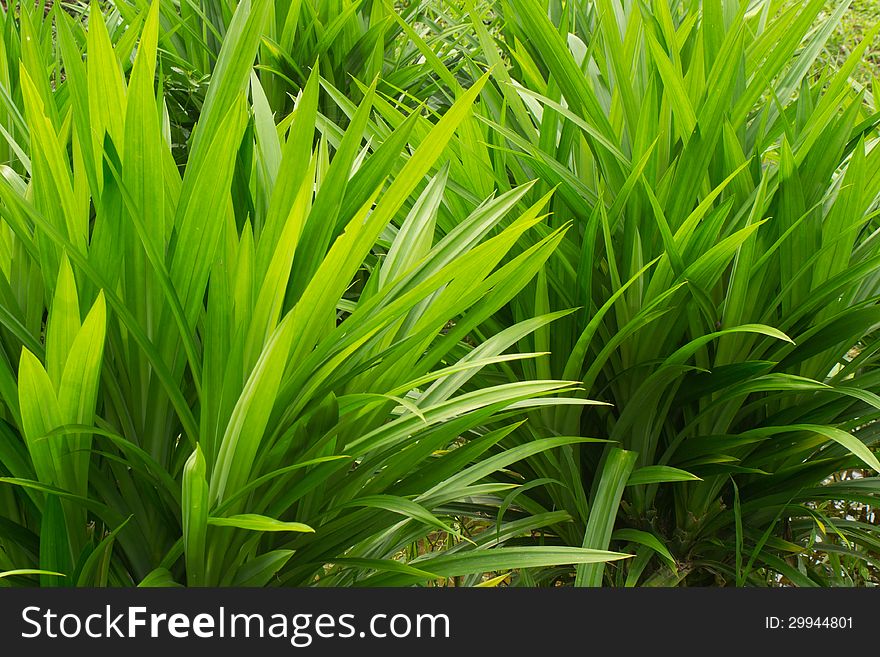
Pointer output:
x,y
505,558
19,572
244,433
257,523
40,413
644,538
659,474
616,468
261,569
159,578
194,509
55,549
404,507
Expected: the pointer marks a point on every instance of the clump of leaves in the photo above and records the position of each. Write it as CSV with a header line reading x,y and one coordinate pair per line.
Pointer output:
x,y
723,263
190,392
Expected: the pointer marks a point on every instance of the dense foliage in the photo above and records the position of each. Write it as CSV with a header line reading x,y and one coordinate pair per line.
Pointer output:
x,y
347,293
